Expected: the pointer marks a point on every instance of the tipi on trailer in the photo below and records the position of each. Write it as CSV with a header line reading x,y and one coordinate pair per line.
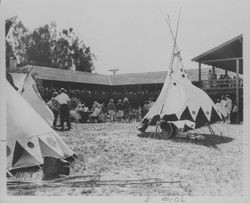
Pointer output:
x,y
28,90
29,137
180,103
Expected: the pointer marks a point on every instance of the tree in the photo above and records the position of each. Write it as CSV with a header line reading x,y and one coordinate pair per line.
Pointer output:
x,y
16,42
45,46
9,53
69,51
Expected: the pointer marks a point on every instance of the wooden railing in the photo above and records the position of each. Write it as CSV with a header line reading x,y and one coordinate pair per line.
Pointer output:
x,y
221,84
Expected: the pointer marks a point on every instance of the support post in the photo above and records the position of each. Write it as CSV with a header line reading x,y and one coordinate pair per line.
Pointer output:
x,y
237,90
199,74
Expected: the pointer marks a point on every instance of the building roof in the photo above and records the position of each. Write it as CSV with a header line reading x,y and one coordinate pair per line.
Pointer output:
x,y
54,74
224,55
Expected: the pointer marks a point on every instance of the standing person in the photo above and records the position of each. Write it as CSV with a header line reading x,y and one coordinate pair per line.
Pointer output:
x,y
64,101
120,111
234,113
126,109
228,108
111,109
145,108
55,108
223,108
209,78
218,105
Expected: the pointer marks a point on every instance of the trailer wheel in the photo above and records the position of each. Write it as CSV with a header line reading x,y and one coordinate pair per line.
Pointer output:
x,y
168,130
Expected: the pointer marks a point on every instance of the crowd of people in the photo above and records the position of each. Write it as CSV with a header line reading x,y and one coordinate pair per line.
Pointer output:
x,y
221,81
102,106
120,110
88,96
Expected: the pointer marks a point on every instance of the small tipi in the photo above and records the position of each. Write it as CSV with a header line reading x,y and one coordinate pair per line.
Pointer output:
x,y
180,102
28,89
29,137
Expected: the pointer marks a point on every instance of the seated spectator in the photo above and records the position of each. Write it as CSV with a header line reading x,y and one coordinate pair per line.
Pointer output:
x,y
221,82
95,116
233,82
75,114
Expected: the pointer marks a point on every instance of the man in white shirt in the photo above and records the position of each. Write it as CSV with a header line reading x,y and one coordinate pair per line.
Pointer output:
x,y
64,100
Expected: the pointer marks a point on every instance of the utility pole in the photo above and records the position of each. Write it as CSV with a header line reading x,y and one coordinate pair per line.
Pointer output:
x,y
114,70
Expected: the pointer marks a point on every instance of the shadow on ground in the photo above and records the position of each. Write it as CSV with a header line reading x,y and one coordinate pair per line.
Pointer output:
x,y
207,140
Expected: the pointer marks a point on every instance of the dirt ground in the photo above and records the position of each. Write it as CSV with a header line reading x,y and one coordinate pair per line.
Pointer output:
x,y
211,165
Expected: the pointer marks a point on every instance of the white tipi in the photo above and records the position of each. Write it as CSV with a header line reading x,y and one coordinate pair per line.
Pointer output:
x,y
180,102
28,89
29,137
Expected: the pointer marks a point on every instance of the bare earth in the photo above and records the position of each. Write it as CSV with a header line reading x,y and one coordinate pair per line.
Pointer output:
x,y
210,166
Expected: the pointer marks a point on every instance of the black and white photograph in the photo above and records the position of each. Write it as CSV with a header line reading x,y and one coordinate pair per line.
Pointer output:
x,y
125,99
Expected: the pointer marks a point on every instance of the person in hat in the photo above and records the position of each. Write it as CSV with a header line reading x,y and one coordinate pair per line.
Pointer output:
x,y
64,101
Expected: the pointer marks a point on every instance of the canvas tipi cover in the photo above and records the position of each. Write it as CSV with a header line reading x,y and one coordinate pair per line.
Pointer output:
x,y
180,100
29,137
28,89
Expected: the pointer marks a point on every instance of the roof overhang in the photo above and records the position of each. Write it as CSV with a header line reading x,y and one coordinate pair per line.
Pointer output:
x,y
224,56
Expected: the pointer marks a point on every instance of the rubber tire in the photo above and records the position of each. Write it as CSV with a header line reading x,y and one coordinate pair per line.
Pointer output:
x,y
168,130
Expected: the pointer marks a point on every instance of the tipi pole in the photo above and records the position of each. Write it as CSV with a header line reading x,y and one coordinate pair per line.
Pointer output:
x,y
174,47
171,30
173,53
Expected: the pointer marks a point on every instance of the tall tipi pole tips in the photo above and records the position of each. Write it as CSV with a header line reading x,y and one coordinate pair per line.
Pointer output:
x,y
174,46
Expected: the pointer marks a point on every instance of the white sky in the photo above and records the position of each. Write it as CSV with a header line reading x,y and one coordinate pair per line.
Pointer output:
x,y
132,35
